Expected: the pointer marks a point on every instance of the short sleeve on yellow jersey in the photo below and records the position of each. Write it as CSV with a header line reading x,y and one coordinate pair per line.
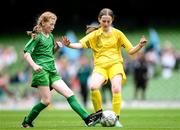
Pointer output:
x,y
125,43
87,41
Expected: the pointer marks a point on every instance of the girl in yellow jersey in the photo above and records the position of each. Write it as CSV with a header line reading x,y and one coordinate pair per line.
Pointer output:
x,y
106,42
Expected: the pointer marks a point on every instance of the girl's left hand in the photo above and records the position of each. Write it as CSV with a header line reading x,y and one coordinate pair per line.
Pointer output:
x,y
59,44
143,41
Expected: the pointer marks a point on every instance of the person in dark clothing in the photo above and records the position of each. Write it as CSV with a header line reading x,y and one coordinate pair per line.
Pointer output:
x,y
140,75
83,74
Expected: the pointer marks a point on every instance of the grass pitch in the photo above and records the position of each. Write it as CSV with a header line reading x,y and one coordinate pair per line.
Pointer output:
x,y
161,119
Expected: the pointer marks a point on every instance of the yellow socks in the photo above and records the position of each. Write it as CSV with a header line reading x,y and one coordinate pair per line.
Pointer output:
x,y
96,99
116,103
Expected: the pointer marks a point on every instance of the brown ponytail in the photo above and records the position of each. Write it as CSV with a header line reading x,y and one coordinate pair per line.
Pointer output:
x,y
91,28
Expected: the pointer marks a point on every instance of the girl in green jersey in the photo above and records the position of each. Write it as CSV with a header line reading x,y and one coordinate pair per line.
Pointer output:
x,y
39,53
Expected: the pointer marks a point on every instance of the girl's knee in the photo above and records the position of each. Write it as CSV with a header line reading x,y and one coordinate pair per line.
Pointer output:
x,y
68,93
46,101
116,89
94,86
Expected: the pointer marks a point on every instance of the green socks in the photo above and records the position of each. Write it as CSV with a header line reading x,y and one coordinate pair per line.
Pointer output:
x,y
35,111
71,100
77,107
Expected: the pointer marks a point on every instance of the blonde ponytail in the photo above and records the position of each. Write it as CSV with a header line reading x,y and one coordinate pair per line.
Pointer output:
x,y
45,17
37,29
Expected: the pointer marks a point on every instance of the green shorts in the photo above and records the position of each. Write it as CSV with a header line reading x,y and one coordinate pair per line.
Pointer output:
x,y
44,78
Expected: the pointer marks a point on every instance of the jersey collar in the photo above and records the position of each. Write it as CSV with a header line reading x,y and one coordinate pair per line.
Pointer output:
x,y
100,32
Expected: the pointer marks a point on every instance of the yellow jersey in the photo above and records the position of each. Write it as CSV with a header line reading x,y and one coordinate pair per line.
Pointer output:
x,y
106,47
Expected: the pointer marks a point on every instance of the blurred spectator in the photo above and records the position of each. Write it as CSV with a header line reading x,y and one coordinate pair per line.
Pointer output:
x,y
168,60
72,54
72,72
83,74
128,65
4,81
21,76
154,41
177,55
140,75
152,52
62,66
152,62
8,56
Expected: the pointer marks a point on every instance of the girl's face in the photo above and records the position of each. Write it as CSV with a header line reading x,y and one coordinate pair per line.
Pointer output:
x,y
105,22
49,26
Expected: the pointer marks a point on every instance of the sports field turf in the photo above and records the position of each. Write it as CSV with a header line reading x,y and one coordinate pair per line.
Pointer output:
x,y
164,119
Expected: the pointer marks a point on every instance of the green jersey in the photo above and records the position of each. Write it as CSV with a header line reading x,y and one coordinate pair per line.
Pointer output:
x,y
42,51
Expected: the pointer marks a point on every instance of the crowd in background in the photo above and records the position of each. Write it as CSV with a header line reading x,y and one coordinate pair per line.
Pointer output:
x,y
75,67
8,56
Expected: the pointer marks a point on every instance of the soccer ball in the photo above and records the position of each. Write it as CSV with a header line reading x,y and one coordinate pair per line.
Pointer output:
x,y
108,118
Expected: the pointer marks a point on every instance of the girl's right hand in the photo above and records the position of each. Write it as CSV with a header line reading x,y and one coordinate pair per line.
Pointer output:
x,y
37,68
65,41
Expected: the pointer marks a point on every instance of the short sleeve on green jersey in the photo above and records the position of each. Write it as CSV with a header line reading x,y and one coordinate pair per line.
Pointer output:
x,y
29,47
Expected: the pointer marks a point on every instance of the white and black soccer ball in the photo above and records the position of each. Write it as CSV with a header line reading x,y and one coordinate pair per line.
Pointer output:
x,y
108,118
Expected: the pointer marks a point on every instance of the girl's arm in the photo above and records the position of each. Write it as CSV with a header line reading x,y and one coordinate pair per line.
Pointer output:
x,y
138,47
67,43
28,58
